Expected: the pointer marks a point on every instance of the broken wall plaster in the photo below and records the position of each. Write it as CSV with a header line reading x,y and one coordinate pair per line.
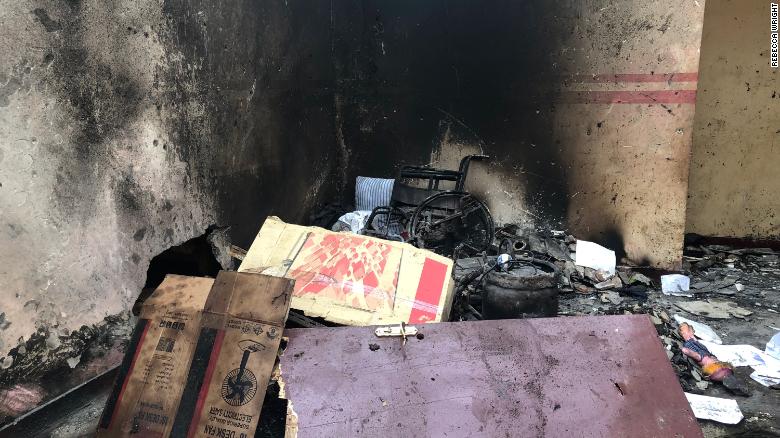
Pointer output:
x,y
49,348
54,360
219,239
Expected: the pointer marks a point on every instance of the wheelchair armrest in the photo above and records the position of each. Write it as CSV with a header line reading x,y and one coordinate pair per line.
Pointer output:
x,y
378,211
389,211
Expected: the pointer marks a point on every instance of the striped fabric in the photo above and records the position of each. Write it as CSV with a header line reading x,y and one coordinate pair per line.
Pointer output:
x,y
372,192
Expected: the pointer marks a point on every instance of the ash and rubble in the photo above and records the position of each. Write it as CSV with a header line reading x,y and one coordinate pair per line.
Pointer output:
x,y
54,360
735,291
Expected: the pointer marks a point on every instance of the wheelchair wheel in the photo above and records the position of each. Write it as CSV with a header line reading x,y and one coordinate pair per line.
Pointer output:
x,y
452,221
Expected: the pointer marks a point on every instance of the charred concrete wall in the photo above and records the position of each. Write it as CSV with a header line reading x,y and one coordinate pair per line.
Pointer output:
x,y
734,182
130,127
585,106
425,82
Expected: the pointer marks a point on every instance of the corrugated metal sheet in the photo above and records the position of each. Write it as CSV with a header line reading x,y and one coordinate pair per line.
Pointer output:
x,y
584,376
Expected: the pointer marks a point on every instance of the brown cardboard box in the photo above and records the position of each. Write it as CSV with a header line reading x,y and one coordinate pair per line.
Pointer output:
x,y
200,358
353,279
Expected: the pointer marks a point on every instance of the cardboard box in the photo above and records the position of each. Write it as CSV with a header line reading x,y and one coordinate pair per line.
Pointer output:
x,y
353,279
199,360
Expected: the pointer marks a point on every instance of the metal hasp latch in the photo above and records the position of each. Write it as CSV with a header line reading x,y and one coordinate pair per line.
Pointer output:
x,y
401,329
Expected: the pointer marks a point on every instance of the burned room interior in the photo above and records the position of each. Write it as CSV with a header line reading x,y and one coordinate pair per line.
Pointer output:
x,y
286,218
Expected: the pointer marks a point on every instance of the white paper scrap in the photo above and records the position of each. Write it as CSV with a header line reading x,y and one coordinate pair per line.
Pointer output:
x,y
773,346
356,220
676,284
702,331
770,368
722,410
764,380
593,255
737,355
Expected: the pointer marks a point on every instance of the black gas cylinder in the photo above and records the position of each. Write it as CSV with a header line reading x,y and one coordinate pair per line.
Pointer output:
x,y
527,289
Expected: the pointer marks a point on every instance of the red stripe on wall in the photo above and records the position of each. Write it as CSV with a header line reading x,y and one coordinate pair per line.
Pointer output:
x,y
129,373
658,96
204,389
429,291
636,77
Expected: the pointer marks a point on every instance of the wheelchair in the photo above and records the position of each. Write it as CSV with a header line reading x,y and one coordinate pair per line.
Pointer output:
x,y
448,222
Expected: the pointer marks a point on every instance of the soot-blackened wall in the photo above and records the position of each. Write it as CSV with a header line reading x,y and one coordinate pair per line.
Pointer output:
x,y
130,127
585,106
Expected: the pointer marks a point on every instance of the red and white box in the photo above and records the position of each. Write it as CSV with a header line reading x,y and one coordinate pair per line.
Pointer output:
x,y
352,279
